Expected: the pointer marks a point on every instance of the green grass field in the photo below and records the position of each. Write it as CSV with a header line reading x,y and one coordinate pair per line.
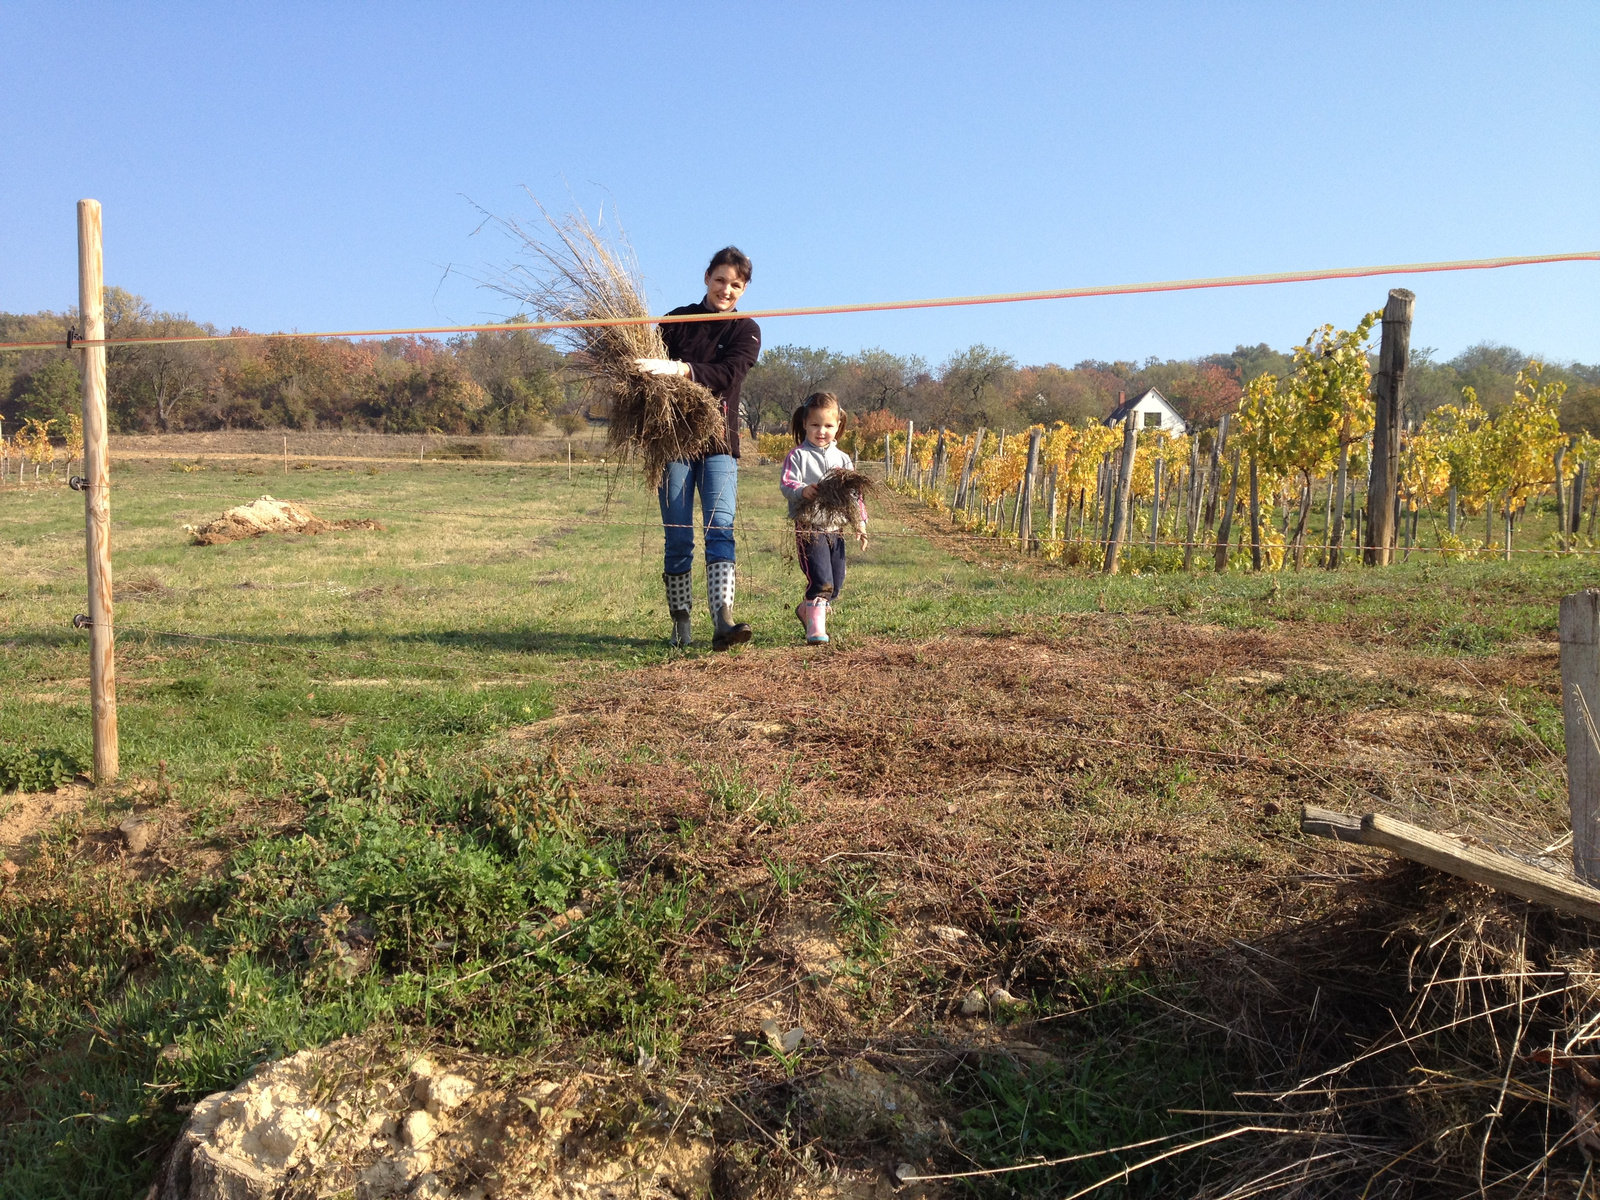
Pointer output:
x,y
349,730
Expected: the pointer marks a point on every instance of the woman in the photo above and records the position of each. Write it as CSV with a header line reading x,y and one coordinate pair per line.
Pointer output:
x,y
717,354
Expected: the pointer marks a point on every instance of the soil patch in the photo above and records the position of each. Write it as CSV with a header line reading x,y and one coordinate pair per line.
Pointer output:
x,y
25,815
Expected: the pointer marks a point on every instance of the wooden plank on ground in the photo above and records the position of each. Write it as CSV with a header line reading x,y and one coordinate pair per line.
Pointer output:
x,y
1455,857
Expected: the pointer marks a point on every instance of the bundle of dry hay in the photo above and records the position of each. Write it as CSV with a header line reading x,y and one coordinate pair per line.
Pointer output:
x,y
839,503
266,515
577,275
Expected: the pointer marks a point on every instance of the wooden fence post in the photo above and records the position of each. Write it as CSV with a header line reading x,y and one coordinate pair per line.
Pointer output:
x,y
964,488
1191,510
911,429
1255,515
1155,502
1124,486
1389,390
1580,709
1561,501
97,496
1225,529
1026,542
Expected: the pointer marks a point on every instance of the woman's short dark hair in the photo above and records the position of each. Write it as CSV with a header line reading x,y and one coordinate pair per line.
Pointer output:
x,y
731,256
822,400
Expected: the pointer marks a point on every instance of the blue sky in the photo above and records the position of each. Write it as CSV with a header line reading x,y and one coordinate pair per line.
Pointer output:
x,y
316,166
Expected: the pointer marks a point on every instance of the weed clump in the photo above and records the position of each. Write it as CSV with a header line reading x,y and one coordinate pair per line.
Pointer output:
x,y
24,770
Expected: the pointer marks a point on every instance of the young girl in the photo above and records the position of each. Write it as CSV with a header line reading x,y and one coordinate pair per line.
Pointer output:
x,y
819,540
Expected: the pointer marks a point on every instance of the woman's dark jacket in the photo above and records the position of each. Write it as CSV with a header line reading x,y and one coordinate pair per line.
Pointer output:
x,y
720,354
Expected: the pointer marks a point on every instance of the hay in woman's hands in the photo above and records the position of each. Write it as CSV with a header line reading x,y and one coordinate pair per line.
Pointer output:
x,y
839,502
578,275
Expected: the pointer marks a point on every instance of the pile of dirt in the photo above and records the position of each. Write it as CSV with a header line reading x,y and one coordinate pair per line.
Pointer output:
x,y
352,1119
266,515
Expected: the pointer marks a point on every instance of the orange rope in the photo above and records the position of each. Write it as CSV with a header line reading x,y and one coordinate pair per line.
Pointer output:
x,y
1118,289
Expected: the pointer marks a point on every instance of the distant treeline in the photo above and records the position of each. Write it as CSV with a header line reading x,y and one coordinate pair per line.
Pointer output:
x,y
516,382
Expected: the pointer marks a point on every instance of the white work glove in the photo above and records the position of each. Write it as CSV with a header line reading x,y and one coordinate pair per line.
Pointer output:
x,y
661,366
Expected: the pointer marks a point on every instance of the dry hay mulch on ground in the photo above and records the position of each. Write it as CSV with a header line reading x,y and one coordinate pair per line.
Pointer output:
x,y
267,515
1121,796
915,851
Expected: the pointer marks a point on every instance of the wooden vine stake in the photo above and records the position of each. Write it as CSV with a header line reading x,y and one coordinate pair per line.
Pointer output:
x,y
1388,393
1026,542
1123,494
1580,709
97,495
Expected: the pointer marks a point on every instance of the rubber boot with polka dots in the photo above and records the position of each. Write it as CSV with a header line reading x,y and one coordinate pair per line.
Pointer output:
x,y
719,594
680,603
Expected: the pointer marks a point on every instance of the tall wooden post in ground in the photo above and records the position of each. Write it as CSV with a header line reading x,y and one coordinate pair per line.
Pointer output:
x,y
1124,486
1225,530
1580,708
1192,509
1025,539
1255,515
964,488
911,429
1155,503
1389,390
97,495
1052,511
1561,502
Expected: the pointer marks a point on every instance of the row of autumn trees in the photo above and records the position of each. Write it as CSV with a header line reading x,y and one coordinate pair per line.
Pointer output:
x,y
1293,455
515,382
482,383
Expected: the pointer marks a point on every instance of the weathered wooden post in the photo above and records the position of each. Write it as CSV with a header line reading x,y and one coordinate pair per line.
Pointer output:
x,y
1218,445
1052,508
1155,503
1580,709
1191,513
1225,530
97,495
1388,392
964,488
1255,515
1025,538
1576,510
1561,501
1119,519
911,429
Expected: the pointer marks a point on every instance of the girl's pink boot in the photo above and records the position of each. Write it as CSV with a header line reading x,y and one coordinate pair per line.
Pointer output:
x,y
815,617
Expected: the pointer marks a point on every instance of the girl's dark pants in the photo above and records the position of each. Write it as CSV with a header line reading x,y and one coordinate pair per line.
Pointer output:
x,y
821,557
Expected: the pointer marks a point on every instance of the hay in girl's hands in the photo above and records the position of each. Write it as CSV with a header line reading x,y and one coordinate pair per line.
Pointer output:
x,y
580,276
840,502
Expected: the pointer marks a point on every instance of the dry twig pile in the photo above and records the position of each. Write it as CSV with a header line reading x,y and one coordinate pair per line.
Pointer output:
x,y
575,274
839,502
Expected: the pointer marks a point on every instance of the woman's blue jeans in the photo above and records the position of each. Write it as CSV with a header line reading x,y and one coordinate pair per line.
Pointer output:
x,y
716,478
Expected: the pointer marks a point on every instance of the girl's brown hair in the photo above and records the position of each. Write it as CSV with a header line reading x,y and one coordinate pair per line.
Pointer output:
x,y
822,400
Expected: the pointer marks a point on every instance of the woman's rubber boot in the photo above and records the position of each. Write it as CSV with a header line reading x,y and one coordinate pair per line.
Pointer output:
x,y
815,616
719,594
680,603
